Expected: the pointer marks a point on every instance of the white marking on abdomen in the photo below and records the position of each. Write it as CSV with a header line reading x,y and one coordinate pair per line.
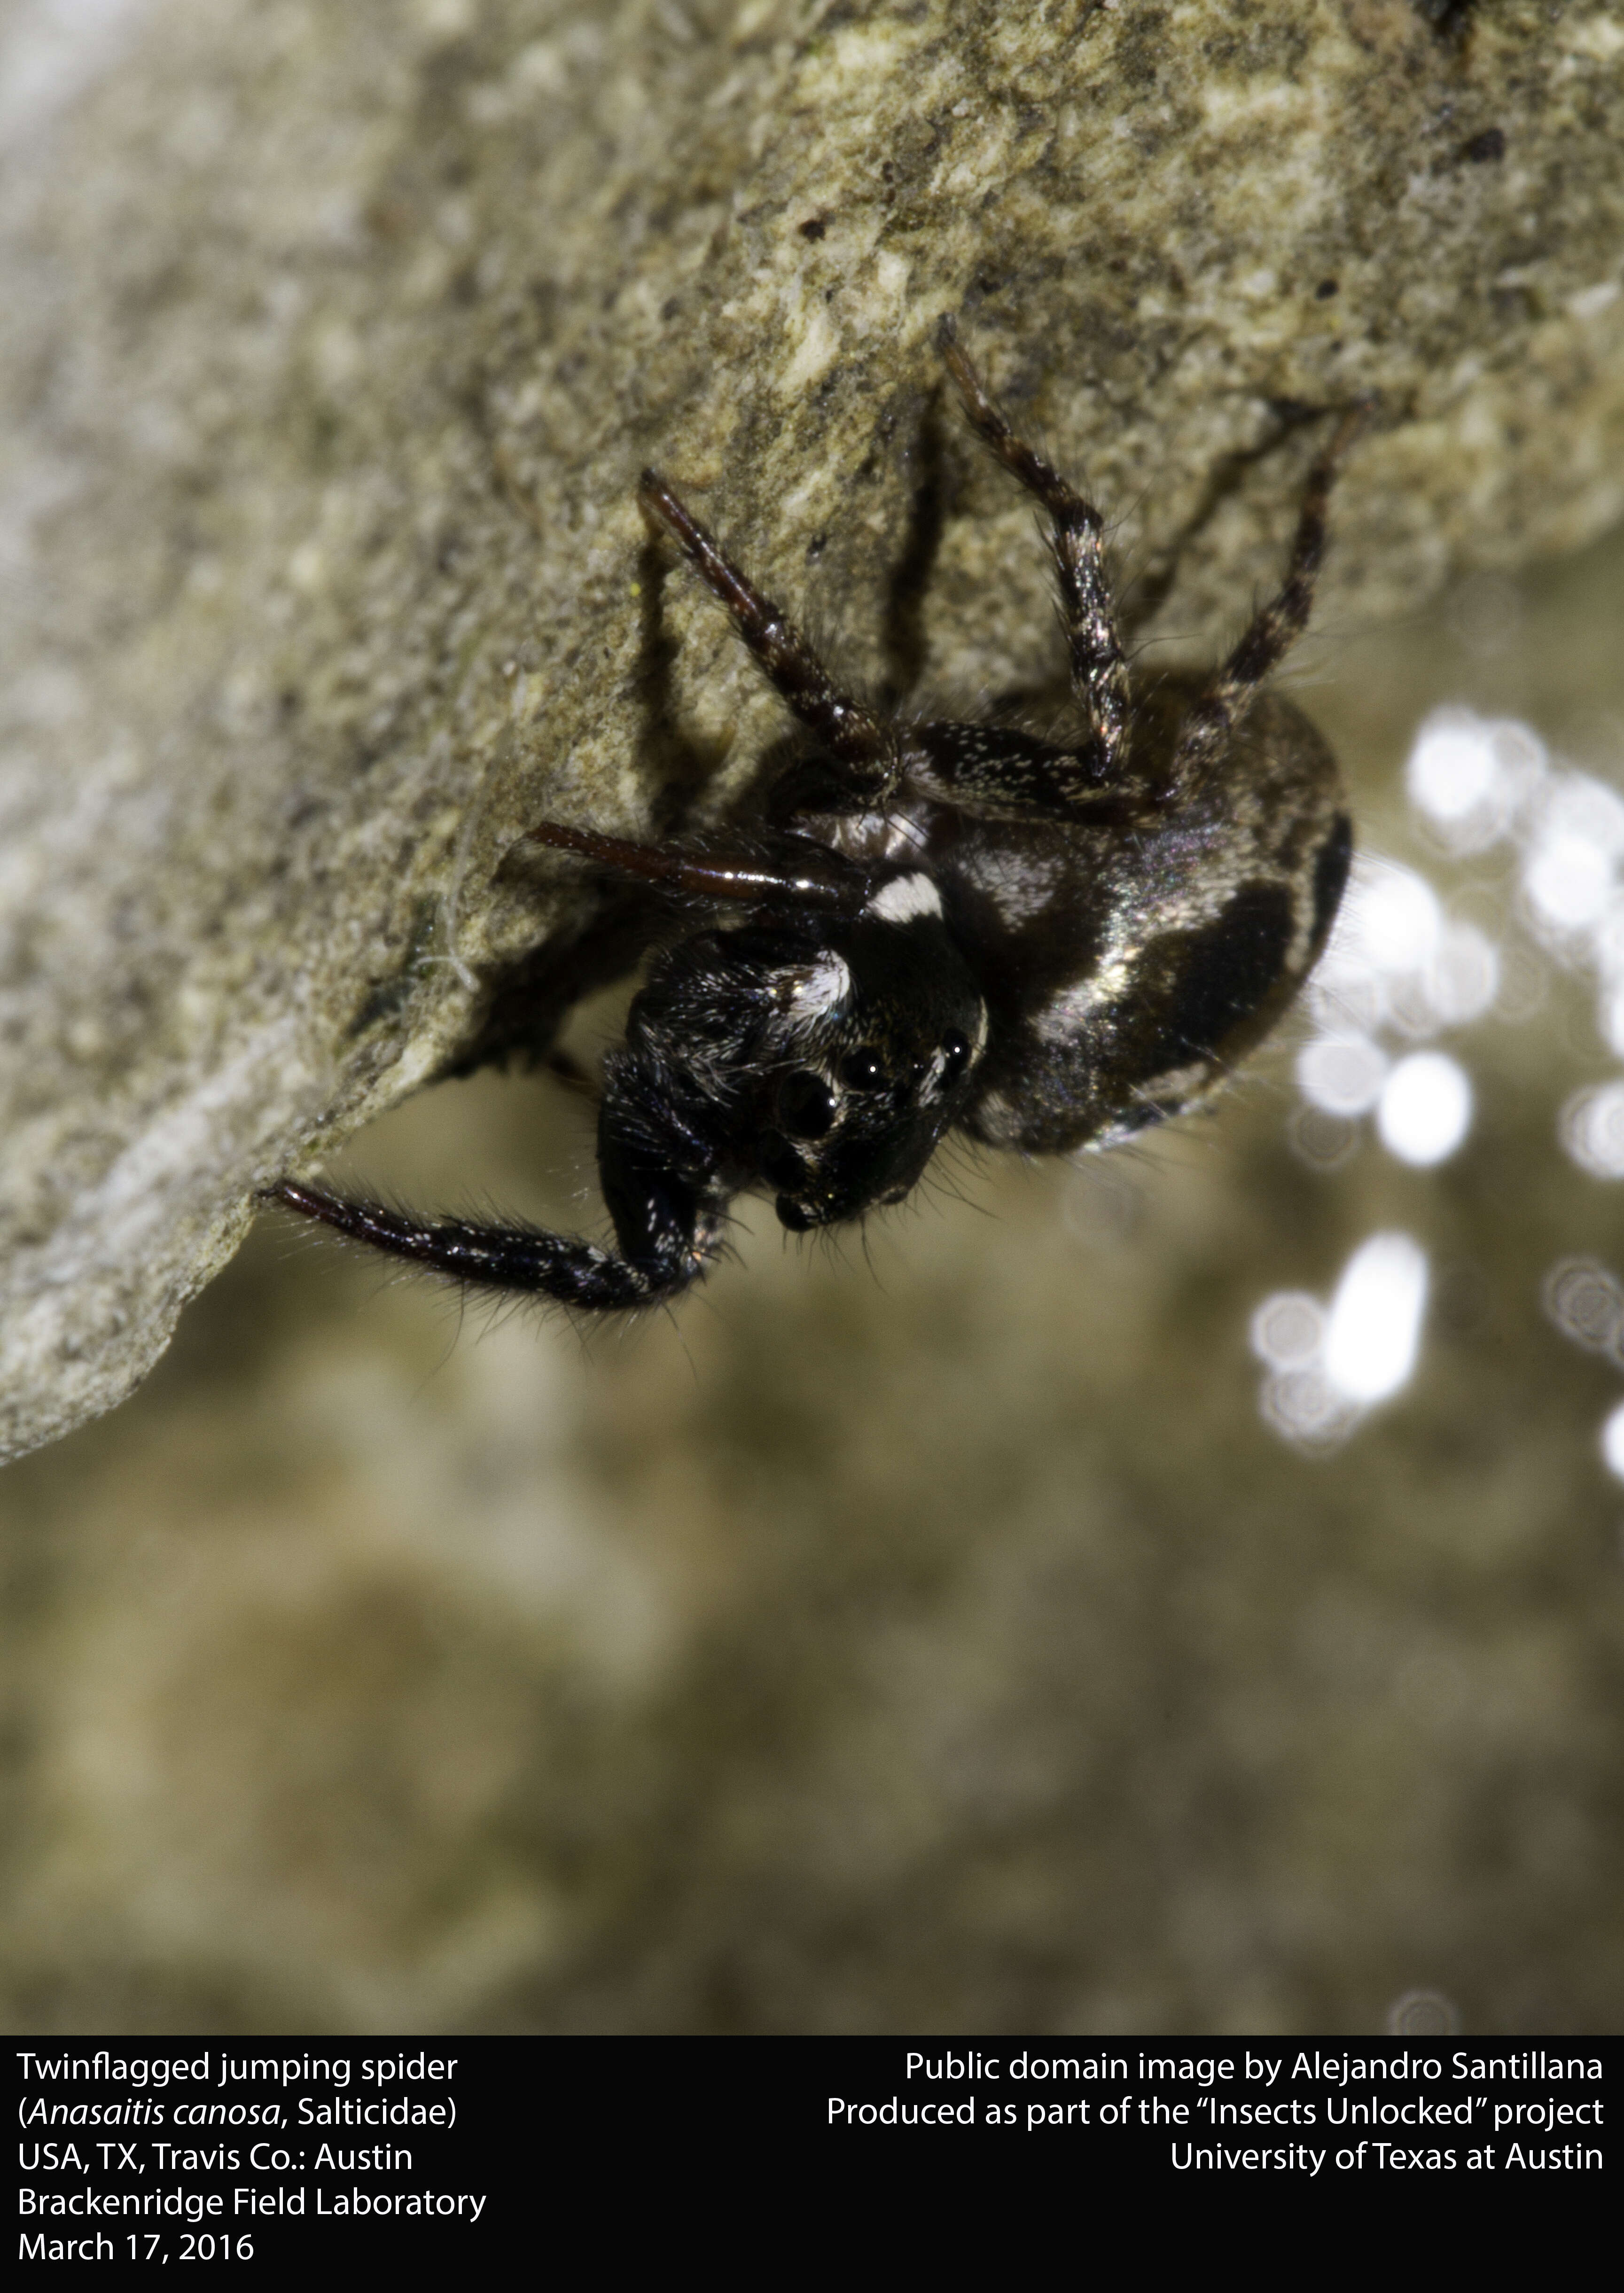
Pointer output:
x,y
904,898
1018,889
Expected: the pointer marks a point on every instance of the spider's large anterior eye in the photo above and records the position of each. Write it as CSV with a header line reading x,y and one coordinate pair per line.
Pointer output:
x,y
862,1070
955,1057
806,1104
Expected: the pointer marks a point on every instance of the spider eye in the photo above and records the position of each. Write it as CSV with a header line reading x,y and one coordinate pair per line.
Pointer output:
x,y
862,1070
806,1104
955,1057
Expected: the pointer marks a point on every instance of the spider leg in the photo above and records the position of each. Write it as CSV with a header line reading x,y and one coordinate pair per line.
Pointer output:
x,y
798,869
1098,666
519,1260
1275,627
662,1187
864,746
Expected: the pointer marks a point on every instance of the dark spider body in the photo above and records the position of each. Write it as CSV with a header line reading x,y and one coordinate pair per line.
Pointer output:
x,y
1049,946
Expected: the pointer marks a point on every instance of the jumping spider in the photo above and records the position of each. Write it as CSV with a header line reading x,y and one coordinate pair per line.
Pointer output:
x,y
1048,945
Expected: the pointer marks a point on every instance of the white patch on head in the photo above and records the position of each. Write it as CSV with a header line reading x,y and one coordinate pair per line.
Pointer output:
x,y
821,989
904,898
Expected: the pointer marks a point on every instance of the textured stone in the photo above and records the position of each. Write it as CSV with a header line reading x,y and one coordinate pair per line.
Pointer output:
x,y
338,334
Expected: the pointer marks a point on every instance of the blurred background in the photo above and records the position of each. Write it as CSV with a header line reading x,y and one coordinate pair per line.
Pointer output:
x,y
1181,1591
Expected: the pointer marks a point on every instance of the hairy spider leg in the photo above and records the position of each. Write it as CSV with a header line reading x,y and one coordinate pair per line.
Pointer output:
x,y
1099,666
813,878
865,746
523,1260
1275,627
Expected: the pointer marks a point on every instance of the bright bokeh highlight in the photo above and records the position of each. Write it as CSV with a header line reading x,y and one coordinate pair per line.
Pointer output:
x,y
1374,1333
1288,1329
1343,1073
1613,1442
1425,1111
1469,776
1453,773
1463,977
1395,920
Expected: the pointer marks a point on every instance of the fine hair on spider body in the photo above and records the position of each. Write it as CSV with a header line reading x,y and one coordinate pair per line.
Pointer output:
x,y
1038,944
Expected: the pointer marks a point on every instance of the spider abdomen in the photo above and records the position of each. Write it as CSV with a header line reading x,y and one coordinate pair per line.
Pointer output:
x,y
1133,969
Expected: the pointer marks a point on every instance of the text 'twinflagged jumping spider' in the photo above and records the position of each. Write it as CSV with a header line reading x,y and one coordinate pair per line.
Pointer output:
x,y
1045,944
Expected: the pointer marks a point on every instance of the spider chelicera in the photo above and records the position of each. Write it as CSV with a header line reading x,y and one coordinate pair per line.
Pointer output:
x,y
1048,943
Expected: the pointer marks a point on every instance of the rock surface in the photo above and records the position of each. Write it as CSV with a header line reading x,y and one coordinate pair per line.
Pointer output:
x,y
336,336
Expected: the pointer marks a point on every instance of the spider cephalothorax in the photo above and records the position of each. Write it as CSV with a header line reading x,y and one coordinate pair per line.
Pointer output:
x,y
1048,943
